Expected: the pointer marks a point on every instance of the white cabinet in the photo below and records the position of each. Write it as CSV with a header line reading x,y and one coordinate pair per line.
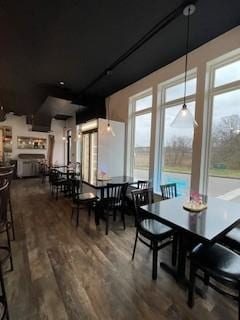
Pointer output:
x,y
28,165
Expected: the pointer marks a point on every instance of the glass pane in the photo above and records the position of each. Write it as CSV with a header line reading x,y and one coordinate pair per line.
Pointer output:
x,y
143,103
93,156
227,74
177,91
224,170
177,156
85,157
142,140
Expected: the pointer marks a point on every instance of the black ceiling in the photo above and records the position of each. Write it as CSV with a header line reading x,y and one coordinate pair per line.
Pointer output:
x,y
44,42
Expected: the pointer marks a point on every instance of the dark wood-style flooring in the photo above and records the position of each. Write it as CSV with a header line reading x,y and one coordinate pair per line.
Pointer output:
x,y
63,272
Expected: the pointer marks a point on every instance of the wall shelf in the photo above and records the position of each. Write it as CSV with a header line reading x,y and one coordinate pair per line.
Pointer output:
x,y
31,143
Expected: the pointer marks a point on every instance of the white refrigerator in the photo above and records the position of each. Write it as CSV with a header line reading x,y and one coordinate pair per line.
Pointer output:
x,y
101,151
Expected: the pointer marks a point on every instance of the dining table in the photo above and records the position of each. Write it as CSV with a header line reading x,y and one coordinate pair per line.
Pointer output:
x,y
207,226
101,184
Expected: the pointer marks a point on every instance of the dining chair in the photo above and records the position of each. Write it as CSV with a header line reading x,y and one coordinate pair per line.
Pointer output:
x,y
218,263
169,190
57,182
113,203
81,199
44,169
149,228
8,175
232,239
5,225
128,201
143,184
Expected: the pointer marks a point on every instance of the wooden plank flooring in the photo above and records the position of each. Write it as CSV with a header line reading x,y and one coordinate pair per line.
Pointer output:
x,y
62,272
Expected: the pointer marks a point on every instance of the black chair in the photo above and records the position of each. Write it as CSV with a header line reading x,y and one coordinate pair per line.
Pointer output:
x,y
8,175
128,201
169,190
150,228
232,240
57,182
143,184
80,199
218,263
113,203
5,226
44,170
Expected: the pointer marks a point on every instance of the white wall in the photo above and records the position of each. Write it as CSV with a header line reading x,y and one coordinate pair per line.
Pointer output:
x,y
198,58
19,128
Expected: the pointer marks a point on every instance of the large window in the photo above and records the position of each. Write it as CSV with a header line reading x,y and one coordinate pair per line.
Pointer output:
x,y
222,168
141,117
176,144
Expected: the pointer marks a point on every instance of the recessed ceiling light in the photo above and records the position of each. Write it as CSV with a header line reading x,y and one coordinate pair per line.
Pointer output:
x,y
61,83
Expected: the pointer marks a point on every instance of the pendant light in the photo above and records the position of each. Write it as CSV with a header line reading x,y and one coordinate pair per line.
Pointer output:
x,y
64,131
109,127
184,118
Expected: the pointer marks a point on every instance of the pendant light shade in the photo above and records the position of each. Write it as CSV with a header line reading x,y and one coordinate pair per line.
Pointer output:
x,y
184,118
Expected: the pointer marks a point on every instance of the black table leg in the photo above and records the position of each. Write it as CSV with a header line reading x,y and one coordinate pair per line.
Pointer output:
x,y
179,273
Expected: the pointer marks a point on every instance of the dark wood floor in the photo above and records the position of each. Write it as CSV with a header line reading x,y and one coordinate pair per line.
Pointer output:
x,y
66,273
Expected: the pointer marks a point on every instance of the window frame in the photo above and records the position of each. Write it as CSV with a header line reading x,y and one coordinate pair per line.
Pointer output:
x,y
131,127
160,126
210,92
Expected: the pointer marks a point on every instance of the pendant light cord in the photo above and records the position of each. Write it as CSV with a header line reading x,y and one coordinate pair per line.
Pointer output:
x,y
108,103
186,58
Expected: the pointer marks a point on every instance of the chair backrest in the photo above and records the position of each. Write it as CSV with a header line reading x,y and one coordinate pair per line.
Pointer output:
x,y
7,168
169,190
143,184
116,193
140,198
53,175
4,193
7,175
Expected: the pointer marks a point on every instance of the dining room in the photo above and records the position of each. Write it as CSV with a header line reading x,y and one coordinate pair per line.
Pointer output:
x,y
119,160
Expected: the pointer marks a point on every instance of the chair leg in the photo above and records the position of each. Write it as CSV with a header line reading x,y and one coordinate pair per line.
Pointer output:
x,y
57,193
191,286
123,219
239,305
174,250
135,244
206,279
89,210
77,222
3,296
154,260
107,222
11,215
10,249
114,214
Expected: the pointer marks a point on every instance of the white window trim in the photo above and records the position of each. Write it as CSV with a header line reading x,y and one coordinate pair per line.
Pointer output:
x,y
161,107
132,113
210,92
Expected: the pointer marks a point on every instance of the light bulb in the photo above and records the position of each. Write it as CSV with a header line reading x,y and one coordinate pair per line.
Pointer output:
x,y
184,112
108,127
